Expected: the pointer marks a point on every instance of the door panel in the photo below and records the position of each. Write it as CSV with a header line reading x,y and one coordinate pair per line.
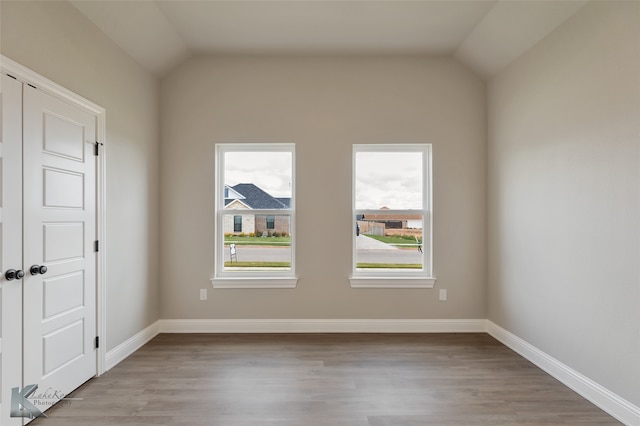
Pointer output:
x,y
63,136
62,294
63,241
59,230
62,346
63,189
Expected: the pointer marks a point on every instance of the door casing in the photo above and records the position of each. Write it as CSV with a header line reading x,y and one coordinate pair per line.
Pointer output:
x,y
11,350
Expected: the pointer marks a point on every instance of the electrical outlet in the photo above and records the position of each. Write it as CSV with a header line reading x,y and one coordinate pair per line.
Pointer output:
x,y
443,294
203,294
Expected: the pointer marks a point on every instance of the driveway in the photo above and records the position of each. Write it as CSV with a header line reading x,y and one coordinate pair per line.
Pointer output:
x,y
365,243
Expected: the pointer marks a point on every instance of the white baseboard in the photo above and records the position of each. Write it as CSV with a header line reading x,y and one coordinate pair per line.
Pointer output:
x,y
322,326
129,346
608,401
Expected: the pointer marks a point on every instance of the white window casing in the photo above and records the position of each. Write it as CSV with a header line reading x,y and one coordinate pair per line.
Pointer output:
x,y
256,277
396,277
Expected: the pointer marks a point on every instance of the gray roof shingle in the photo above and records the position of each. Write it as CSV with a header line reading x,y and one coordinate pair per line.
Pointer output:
x,y
256,198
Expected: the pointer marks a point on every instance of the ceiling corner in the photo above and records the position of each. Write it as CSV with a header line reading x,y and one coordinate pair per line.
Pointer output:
x,y
510,29
140,29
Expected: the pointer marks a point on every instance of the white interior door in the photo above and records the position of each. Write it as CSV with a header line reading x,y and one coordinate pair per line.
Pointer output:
x,y
59,230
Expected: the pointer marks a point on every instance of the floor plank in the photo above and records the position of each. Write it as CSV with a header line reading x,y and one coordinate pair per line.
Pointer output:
x,y
325,380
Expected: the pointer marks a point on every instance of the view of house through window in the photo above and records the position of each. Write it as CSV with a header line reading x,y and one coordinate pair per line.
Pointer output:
x,y
256,215
391,209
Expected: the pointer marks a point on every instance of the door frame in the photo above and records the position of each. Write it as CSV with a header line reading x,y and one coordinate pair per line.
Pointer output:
x,y
27,76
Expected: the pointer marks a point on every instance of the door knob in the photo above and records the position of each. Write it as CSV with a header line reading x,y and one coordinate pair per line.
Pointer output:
x,y
12,274
38,269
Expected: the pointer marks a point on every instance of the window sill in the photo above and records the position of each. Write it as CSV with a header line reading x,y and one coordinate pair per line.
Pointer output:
x,y
254,282
392,282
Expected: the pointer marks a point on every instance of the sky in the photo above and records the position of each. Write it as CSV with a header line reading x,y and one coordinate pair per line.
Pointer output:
x,y
390,179
271,171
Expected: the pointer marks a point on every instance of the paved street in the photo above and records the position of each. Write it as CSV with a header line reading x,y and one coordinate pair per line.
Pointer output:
x,y
260,254
368,251
388,256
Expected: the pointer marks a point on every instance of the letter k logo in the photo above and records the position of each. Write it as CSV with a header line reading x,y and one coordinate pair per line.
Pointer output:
x,y
21,406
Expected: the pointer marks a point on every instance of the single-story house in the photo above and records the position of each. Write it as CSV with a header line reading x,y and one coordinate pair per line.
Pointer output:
x,y
247,196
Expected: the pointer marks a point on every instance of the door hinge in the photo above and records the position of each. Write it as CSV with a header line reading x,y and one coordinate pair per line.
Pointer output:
x,y
96,246
97,342
97,148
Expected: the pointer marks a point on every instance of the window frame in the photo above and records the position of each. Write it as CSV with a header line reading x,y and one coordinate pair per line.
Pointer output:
x,y
237,223
250,279
272,222
376,278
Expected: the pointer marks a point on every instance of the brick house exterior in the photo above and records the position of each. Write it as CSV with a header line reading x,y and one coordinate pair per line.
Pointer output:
x,y
244,197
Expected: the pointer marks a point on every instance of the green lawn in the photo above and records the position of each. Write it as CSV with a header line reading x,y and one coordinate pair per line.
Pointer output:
x,y
257,241
258,264
389,265
396,240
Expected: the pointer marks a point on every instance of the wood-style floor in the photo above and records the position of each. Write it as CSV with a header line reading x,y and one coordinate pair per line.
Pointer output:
x,y
325,379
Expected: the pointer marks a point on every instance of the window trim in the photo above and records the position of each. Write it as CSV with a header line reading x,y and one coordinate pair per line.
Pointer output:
x,y
236,224
250,279
397,279
267,221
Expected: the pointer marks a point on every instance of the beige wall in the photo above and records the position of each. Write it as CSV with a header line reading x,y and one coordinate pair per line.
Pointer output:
x,y
55,40
323,105
564,196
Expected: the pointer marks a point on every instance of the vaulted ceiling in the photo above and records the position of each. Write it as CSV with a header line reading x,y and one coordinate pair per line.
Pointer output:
x,y
484,35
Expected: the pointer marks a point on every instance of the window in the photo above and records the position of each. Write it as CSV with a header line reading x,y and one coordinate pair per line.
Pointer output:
x,y
271,222
392,216
237,223
254,214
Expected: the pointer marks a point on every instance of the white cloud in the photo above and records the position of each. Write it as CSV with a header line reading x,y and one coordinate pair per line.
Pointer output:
x,y
389,179
271,171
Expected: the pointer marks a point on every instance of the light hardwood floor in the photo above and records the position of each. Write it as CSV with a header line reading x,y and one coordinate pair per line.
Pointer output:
x,y
325,379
